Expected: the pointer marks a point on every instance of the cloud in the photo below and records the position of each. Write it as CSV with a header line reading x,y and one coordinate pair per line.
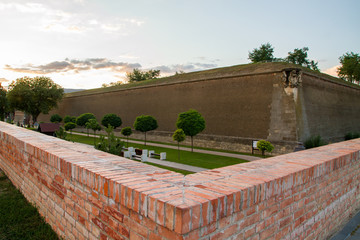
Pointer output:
x,y
52,19
332,71
190,67
75,66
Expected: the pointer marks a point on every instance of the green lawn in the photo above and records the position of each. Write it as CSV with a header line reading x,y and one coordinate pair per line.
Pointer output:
x,y
257,154
195,159
18,218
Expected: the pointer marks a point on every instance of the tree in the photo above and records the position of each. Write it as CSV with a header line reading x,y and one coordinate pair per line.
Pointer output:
x,y
263,146
70,126
56,118
138,75
192,123
60,133
4,104
350,67
68,118
145,123
112,119
179,136
95,126
83,119
263,54
34,95
299,56
126,131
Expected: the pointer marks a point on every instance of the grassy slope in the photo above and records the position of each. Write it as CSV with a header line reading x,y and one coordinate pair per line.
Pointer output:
x,y
251,68
18,218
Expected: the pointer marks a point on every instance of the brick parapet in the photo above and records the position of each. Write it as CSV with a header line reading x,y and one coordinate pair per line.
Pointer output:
x,y
87,194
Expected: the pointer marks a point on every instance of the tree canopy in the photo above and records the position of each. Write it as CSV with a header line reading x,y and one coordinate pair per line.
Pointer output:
x,y
56,118
191,122
68,118
112,119
4,104
300,57
262,54
350,67
34,95
138,75
84,118
94,125
145,123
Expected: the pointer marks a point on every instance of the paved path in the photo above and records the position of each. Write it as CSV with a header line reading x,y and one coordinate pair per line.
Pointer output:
x,y
351,230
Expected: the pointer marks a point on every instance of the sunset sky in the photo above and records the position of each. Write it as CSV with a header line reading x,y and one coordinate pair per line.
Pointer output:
x,y
85,43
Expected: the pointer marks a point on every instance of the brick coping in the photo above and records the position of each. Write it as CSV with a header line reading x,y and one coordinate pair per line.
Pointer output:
x,y
177,202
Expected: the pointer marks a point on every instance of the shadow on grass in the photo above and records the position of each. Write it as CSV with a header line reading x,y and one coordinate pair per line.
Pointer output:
x,y
18,218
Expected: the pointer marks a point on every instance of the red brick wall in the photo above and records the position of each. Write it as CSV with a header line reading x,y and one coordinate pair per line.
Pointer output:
x,y
88,194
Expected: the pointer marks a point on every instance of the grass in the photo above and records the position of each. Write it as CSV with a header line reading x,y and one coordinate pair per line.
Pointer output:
x,y
91,134
18,218
190,158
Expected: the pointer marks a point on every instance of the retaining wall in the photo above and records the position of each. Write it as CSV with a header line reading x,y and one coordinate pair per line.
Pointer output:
x,y
87,194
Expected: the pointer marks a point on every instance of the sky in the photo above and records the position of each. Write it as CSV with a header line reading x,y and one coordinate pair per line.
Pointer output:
x,y
83,44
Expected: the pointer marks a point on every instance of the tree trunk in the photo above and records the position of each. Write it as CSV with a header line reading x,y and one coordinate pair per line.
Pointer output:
x,y
178,151
192,144
94,138
127,141
145,139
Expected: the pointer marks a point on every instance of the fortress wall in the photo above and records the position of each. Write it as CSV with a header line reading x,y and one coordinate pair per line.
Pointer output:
x,y
236,109
87,194
327,109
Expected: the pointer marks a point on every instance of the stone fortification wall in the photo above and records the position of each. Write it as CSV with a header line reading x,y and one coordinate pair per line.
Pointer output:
x,y
239,104
327,108
87,194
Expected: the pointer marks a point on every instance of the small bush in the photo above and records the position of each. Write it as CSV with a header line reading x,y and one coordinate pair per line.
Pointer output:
x,y
112,119
113,145
350,135
314,141
56,118
68,118
61,133
263,146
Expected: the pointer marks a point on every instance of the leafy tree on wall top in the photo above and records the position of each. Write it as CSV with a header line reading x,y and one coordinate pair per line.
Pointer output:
x,y
192,123
112,119
34,95
299,56
145,123
138,75
350,67
263,54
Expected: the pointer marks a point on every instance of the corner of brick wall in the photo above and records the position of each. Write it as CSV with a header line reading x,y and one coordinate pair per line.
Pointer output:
x,y
87,194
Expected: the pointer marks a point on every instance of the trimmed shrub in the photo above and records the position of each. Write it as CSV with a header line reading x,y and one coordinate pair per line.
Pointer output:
x,y
314,141
56,118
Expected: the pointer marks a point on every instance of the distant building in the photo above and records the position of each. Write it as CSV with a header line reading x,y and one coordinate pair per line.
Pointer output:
x,y
49,128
